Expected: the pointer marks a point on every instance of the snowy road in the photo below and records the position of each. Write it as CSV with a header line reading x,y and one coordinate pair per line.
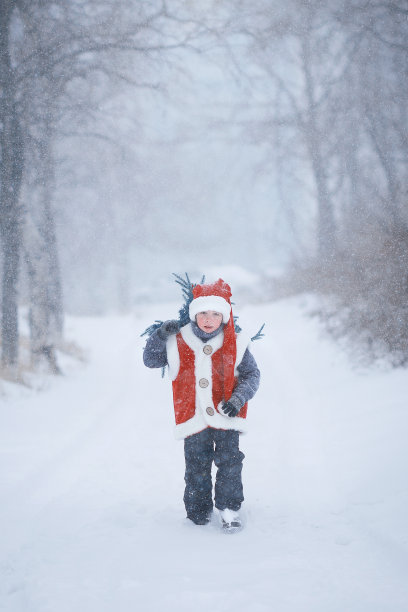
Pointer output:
x,y
92,482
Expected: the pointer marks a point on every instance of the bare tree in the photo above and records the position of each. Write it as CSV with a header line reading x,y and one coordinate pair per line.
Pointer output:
x,y
12,159
52,47
302,56
335,93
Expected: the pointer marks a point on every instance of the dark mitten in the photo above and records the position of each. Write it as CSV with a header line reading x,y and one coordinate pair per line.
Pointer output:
x,y
232,407
168,329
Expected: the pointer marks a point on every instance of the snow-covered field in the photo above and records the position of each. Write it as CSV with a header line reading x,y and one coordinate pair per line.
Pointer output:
x,y
91,510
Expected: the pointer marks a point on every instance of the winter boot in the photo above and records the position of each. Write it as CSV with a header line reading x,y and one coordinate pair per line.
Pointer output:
x,y
200,519
230,520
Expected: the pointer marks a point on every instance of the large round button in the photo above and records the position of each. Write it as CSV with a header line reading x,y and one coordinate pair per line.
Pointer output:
x,y
203,382
208,349
210,410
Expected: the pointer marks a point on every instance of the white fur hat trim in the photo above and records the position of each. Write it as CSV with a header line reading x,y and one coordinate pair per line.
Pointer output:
x,y
210,302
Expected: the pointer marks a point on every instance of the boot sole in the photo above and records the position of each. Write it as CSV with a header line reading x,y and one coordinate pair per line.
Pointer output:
x,y
231,527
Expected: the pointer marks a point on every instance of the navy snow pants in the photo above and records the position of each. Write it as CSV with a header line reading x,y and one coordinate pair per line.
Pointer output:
x,y
200,450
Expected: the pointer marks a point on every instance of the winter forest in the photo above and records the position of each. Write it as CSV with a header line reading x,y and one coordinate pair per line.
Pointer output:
x,y
140,138
263,141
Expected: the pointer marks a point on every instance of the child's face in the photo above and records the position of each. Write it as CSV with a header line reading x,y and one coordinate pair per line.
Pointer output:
x,y
208,321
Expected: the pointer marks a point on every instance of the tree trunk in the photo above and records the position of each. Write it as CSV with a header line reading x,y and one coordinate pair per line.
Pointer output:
x,y
11,144
46,309
326,228
326,234
11,257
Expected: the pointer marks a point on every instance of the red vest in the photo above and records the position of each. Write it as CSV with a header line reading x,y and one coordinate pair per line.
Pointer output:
x,y
196,369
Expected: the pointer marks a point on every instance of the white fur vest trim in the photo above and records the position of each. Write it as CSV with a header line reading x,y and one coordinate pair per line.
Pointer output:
x,y
203,369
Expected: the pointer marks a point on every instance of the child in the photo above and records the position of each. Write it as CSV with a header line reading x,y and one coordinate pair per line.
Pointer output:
x,y
214,375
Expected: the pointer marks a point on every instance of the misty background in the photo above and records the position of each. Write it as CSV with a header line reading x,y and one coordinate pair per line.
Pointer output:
x,y
266,139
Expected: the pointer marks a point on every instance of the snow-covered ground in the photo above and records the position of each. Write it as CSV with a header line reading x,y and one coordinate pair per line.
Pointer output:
x,y
91,510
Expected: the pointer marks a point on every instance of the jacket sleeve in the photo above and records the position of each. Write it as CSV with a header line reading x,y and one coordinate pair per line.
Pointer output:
x,y
155,353
248,379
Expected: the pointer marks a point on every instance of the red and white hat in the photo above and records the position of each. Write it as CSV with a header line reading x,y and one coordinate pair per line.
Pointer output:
x,y
214,297
217,297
